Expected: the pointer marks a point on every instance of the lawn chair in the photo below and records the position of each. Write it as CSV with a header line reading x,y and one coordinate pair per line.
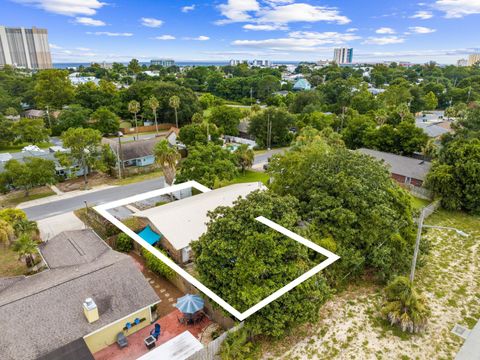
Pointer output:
x,y
122,340
156,332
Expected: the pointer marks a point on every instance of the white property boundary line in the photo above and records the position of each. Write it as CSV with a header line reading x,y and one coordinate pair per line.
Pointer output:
x,y
331,257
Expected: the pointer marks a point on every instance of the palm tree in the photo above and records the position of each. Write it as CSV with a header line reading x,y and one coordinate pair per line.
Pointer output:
x,y
6,232
404,306
167,156
430,149
134,108
174,102
244,157
25,226
25,247
153,104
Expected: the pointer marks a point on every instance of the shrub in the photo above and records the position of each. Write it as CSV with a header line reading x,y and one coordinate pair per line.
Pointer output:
x,y
124,243
237,346
156,265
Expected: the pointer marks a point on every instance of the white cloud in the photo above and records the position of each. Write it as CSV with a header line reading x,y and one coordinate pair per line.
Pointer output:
x,y
385,30
299,41
278,12
108,33
188,8
151,22
383,40
457,8
423,15
198,38
238,10
301,12
164,37
264,27
89,21
421,30
66,7
83,49
352,30
56,47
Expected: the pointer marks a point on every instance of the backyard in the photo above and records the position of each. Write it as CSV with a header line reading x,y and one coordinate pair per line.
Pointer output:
x,y
351,327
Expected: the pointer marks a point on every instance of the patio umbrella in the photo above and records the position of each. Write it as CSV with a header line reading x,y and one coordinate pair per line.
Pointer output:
x,y
190,304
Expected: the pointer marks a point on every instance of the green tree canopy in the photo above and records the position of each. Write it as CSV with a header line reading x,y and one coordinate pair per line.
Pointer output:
x,y
197,133
281,121
84,145
72,117
53,89
30,173
350,199
31,131
226,118
208,164
105,121
257,261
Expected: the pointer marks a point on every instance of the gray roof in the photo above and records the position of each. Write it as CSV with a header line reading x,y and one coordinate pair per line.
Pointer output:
x,y
471,347
44,311
401,165
432,130
135,149
22,155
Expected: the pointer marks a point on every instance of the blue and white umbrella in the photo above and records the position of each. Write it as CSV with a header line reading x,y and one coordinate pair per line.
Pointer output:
x,y
190,304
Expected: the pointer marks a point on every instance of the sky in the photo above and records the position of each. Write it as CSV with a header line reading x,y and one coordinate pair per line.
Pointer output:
x,y
294,30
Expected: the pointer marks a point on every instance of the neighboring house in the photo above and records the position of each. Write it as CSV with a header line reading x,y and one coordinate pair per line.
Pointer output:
x,y
134,153
46,316
28,152
404,170
172,135
243,129
39,114
34,114
302,85
183,221
76,79
433,123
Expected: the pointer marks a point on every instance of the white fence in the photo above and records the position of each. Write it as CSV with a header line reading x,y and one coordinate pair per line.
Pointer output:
x,y
210,352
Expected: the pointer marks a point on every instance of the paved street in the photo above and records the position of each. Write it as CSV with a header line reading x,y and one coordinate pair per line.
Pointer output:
x,y
57,207
94,198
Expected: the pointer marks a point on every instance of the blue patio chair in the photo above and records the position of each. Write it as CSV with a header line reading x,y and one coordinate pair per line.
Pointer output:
x,y
156,332
122,340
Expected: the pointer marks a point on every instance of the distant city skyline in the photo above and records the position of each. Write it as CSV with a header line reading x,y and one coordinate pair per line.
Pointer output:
x,y
277,30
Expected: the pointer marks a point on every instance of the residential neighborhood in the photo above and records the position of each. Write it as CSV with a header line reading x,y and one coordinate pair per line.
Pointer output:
x,y
239,180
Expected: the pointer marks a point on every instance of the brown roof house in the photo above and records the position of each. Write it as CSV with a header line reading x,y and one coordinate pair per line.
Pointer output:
x,y
77,306
404,170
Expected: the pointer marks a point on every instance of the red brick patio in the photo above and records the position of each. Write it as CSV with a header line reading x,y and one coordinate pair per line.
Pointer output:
x,y
136,348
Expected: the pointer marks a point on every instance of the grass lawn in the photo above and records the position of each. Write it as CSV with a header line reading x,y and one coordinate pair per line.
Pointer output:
x,y
418,203
138,178
351,326
14,198
9,263
251,176
19,147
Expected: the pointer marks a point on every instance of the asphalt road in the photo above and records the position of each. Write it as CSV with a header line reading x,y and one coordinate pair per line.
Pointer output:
x,y
58,207
95,198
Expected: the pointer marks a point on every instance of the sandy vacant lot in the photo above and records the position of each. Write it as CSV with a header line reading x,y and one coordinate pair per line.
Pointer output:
x,y
352,328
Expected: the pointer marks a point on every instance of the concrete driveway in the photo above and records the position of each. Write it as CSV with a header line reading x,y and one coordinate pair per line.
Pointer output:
x,y
54,225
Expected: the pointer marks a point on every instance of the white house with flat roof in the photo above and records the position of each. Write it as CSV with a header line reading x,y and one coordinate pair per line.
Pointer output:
x,y
183,221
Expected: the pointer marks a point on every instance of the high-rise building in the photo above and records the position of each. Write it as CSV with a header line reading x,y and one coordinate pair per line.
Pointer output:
x,y
473,59
25,48
462,62
163,62
343,55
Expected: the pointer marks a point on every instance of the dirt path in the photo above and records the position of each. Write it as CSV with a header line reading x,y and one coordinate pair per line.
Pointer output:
x,y
352,328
